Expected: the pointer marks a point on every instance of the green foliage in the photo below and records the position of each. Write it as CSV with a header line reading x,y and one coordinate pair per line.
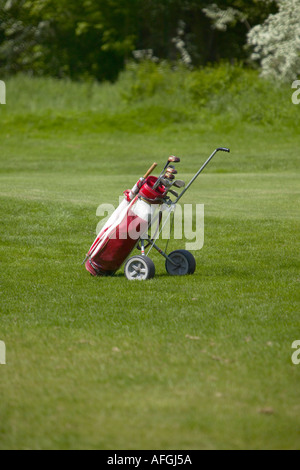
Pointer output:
x,y
208,82
230,92
86,39
150,97
62,38
147,78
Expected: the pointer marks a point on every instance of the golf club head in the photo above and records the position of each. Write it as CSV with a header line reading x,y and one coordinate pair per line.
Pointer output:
x,y
179,184
173,159
173,192
169,176
165,182
171,170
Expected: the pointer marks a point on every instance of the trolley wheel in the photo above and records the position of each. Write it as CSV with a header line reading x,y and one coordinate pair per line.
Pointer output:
x,y
186,263
139,268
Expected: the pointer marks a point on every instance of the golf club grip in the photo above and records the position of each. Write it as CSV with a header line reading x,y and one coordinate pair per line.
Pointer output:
x,y
150,170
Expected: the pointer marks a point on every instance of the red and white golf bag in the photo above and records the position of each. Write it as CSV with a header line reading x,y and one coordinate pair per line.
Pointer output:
x,y
124,228
131,222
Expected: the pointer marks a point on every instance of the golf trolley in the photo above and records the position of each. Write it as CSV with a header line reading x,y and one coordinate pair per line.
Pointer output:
x,y
128,227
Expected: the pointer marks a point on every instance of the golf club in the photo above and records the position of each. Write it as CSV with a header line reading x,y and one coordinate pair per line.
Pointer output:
x,y
171,159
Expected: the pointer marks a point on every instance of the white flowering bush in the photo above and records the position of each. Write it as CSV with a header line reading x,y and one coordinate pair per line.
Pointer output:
x,y
276,42
180,45
221,19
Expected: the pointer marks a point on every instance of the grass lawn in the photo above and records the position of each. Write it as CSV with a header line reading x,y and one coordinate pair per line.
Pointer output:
x,y
196,362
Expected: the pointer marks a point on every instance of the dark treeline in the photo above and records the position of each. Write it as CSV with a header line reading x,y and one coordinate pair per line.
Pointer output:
x,y
94,38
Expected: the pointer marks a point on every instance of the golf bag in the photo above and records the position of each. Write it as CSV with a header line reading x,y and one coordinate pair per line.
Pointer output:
x,y
127,224
130,223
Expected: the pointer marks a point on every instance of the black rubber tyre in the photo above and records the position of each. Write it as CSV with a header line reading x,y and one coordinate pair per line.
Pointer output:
x,y
139,268
185,261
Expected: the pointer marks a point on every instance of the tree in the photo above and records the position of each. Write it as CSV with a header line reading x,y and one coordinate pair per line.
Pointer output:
x,y
95,38
67,38
231,20
276,42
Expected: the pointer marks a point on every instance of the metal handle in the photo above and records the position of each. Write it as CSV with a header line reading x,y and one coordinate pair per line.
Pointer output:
x,y
219,149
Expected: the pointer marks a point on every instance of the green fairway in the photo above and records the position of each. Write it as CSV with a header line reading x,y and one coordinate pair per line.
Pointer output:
x,y
196,362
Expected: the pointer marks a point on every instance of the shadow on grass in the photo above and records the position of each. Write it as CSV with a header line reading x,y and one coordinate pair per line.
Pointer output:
x,y
122,275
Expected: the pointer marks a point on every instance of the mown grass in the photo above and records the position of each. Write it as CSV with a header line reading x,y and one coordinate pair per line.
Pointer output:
x,y
199,362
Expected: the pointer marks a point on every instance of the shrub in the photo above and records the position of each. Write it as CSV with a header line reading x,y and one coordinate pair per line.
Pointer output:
x,y
276,42
210,81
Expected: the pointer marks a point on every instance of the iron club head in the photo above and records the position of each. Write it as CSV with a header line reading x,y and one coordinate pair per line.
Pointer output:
x,y
179,184
166,182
